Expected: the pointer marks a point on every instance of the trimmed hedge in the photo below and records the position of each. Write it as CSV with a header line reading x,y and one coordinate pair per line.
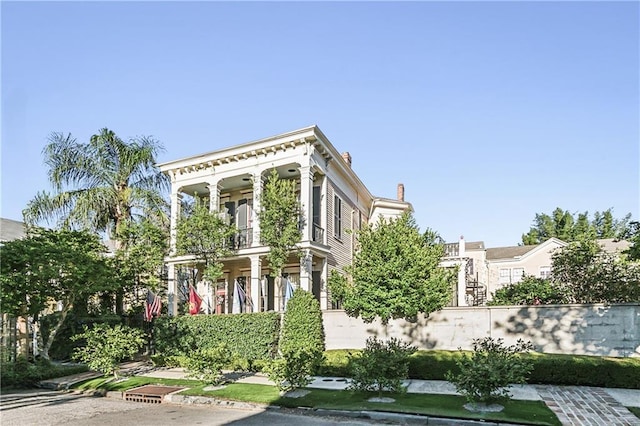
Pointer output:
x,y
253,336
552,369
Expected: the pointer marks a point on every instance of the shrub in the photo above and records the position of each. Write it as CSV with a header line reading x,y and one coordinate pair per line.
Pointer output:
x,y
486,375
292,370
301,343
106,346
207,364
527,290
252,336
25,374
302,326
381,365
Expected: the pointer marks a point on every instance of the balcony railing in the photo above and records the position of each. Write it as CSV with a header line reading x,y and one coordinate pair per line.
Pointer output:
x,y
318,234
451,250
243,239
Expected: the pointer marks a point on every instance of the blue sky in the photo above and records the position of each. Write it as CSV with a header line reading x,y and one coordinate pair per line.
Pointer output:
x,y
488,112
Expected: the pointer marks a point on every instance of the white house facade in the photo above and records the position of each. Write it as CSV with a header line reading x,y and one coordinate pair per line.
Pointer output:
x,y
333,200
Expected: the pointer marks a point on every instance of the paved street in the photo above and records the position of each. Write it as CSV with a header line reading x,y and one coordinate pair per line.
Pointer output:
x,y
57,408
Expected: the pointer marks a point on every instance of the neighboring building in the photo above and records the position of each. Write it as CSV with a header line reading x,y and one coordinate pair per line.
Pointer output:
x,y
333,198
11,230
483,271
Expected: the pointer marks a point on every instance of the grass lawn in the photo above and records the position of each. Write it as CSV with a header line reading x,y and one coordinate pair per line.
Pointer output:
x,y
524,412
635,410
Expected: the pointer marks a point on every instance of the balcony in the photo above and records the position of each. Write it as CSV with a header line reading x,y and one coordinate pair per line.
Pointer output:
x,y
451,250
243,239
318,234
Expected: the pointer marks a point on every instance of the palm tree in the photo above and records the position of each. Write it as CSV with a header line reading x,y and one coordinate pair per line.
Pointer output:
x,y
100,185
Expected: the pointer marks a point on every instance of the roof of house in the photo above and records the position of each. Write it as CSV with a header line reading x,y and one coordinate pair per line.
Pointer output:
x,y
474,245
612,245
11,229
508,252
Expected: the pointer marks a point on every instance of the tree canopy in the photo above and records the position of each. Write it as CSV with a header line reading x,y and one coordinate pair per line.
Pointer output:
x,y
51,266
395,273
100,185
569,227
205,235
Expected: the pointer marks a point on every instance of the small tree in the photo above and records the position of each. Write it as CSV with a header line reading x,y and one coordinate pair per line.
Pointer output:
x,y
280,223
381,366
206,364
395,273
52,266
486,375
205,235
107,346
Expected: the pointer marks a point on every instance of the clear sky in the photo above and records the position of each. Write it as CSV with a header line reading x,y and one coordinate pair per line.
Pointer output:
x,y
488,112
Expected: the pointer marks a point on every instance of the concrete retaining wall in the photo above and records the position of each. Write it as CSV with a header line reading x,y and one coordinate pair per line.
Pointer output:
x,y
604,330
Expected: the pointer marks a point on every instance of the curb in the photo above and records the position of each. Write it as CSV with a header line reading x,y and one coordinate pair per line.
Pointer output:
x,y
320,412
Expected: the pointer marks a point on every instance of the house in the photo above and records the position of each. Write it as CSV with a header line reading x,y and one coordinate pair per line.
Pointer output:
x,y
333,199
482,270
11,230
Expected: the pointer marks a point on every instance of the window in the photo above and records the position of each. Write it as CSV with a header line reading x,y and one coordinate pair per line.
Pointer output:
x,y
337,217
516,274
545,271
505,275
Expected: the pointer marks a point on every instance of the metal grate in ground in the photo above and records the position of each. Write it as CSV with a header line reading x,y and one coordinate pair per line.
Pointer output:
x,y
150,394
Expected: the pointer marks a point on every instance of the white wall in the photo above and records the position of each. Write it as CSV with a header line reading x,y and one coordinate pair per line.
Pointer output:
x,y
571,329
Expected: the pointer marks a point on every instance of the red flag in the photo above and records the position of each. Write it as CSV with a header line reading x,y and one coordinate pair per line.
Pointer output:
x,y
152,306
194,301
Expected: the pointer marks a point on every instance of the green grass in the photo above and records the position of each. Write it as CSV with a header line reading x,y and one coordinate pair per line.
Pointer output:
x,y
107,383
635,410
524,412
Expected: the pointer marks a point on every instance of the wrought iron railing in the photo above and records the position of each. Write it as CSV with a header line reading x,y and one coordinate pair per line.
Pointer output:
x,y
318,234
243,239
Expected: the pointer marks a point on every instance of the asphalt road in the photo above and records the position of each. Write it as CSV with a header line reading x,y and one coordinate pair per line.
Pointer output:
x,y
59,408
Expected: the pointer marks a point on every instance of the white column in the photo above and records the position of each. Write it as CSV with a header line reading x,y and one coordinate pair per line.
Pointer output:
x,y
306,199
324,202
305,270
176,198
462,285
258,182
172,290
324,302
256,274
214,194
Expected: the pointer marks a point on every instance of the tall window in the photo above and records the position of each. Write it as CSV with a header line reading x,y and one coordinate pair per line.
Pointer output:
x,y
337,217
504,275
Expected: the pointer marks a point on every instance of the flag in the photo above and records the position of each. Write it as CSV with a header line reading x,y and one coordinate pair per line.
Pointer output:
x,y
239,298
288,292
194,300
152,306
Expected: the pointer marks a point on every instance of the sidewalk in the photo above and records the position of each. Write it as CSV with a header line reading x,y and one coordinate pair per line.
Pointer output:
x,y
574,405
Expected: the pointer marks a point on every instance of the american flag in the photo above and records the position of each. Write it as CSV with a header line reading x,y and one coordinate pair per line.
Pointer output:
x,y
152,306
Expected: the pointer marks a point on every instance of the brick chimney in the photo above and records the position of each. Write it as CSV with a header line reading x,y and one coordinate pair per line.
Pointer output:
x,y
400,192
347,158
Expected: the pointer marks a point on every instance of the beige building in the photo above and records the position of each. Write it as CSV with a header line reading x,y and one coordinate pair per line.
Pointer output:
x,y
482,270
333,198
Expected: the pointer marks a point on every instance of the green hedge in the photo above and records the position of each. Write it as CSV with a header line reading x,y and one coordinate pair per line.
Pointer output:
x,y
553,369
253,336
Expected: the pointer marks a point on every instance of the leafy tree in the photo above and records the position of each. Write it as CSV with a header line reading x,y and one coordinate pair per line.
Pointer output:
x,y
589,274
633,252
563,225
205,235
101,185
49,266
395,273
107,346
280,223
527,290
